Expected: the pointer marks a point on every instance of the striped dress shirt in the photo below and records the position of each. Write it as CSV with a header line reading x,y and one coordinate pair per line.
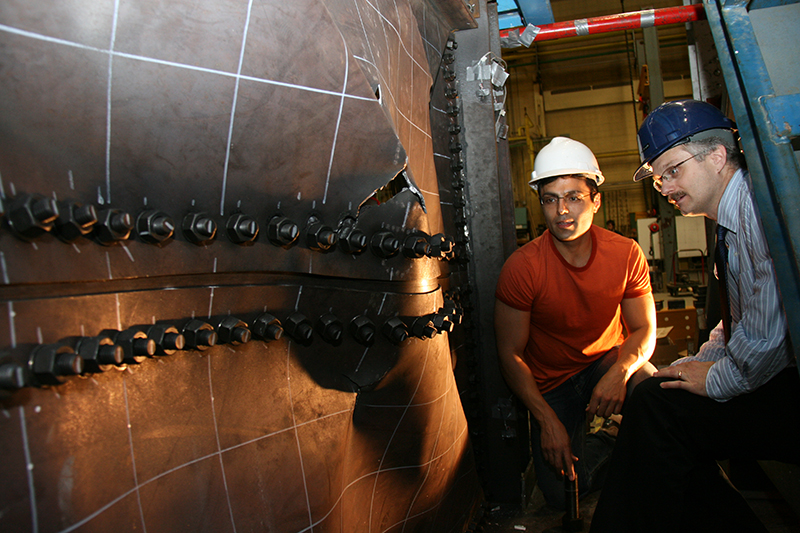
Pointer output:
x,y
758,348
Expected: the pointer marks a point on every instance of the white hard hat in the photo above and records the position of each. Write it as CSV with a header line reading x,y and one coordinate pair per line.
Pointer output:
x,y
565,157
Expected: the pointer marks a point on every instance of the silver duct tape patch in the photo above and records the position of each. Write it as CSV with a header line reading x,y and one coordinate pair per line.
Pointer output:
x,y
512,39
582,27
648,18
529,35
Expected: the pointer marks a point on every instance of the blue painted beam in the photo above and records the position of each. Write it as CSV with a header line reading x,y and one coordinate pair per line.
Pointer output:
x,y
784,115
536,12
774,170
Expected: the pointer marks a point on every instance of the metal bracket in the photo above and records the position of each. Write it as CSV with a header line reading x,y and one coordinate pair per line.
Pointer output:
x,y
783,114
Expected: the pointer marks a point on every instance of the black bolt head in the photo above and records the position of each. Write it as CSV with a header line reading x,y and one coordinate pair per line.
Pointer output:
x,y
442,323
99,353
113,225
199,228
167,339
52,363
395,330
154,226
351,240
267,327
231,330
199,335
384,244
281,231
134,342
363,330
12,376
31,215
416,246
74,221
241,229
320,237
422,328
330,329
298,327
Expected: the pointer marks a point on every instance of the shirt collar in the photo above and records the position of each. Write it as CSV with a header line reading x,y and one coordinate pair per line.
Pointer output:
x,y
726,212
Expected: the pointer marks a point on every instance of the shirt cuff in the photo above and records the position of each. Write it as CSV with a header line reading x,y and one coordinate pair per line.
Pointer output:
x,y
717,387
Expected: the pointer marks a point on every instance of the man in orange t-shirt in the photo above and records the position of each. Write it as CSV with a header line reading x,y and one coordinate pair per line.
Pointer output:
x,y
561,303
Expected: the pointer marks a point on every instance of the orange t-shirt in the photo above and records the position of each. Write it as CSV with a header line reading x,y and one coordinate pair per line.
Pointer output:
x,y
575,312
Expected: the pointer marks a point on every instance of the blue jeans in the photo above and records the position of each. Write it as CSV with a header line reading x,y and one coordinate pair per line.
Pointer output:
x,y
569,401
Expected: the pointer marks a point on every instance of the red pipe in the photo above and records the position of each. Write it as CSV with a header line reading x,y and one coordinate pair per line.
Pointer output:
x,y
623,21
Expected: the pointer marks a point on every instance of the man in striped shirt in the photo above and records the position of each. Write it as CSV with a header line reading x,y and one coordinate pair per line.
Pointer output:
x,y
739,396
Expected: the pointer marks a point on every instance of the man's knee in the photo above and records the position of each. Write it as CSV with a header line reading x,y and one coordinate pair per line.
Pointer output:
x,y
646,371
645,396
648,388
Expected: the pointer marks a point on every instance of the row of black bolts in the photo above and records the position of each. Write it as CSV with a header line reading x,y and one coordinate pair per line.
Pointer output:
x,y
456,149
52,364
33,215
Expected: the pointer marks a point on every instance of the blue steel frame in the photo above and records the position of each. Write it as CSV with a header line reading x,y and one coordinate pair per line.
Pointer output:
x,y
767,122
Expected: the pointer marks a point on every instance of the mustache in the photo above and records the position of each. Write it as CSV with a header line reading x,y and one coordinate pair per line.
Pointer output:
x,y
674,197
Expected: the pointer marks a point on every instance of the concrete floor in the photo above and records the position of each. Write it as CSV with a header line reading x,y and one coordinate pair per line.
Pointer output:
x,y
538,517
775,513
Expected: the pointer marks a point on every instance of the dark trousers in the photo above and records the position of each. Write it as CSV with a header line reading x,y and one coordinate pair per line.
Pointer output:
x,y
663,474
569,401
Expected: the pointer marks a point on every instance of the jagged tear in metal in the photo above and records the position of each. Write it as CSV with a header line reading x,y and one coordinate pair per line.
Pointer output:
x,y
199,127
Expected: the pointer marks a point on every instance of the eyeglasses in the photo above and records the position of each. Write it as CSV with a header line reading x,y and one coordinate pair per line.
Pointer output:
x,y
672,173
572,199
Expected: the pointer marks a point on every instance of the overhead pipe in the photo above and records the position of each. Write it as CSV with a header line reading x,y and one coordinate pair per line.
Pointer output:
x,y
610,23
585,43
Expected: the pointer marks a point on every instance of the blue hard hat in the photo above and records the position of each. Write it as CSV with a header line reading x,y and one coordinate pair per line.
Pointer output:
x,y
674,123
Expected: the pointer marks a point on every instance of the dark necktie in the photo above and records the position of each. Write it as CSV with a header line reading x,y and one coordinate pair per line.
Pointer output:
x,y
721,262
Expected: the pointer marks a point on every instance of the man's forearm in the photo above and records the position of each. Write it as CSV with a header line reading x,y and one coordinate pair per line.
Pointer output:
x,y
635,351
520,380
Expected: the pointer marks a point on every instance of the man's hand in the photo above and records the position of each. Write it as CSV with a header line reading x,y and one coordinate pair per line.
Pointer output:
x,y
557,448
689,376
609,394
639,315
